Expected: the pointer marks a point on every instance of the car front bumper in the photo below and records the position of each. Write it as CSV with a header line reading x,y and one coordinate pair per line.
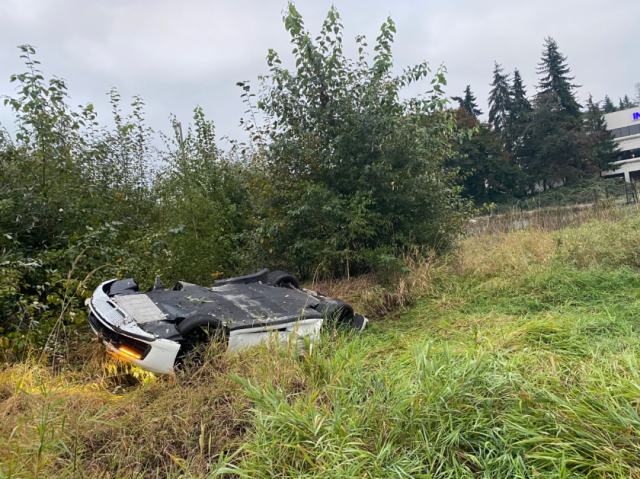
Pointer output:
x,y
159,356
123,337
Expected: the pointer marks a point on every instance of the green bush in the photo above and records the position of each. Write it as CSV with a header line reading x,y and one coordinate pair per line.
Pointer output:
x,y
204,205
348,165
80,204
343,177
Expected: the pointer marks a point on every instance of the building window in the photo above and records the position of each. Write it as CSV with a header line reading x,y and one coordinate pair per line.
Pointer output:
x,y
625,131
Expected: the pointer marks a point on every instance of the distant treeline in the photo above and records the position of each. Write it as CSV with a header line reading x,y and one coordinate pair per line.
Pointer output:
x,y
624,103
532,143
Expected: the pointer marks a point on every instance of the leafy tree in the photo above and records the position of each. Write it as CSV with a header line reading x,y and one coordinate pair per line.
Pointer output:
x,y
80,203
609,107
468,102
348,167
499,100
205,204
603,148
554,78
60,172
487,172
74,199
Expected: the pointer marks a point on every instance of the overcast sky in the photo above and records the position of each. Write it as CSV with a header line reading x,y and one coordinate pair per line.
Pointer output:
x,y
178,54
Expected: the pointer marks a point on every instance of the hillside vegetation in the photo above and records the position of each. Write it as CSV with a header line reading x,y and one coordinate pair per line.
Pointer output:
x,y
512,354
343,174
519,358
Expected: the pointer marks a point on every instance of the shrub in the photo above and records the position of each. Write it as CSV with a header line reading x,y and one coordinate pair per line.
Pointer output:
x,y
349,166
204,205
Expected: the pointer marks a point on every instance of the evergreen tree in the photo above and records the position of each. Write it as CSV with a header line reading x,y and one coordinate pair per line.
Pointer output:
x,y
520,109
519,101
555,79
468,102
609,107
636,95
499,100
603,148
556,148
486,171
626,103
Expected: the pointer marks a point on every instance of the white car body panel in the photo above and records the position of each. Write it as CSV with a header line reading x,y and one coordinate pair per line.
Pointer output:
x,y
309,328
160,359
123,315
102,306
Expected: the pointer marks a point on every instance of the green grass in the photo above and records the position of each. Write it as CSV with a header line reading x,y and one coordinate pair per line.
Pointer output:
x,y
510,383
578,192
504,367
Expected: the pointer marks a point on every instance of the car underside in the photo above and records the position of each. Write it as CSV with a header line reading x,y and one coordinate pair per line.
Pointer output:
x,y
153,329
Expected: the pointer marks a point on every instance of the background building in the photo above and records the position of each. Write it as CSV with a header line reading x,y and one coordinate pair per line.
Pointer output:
x,y
625,126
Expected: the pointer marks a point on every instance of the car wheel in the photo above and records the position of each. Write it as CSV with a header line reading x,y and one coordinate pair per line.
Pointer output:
x,y
359,322
199,330
283,280
337,312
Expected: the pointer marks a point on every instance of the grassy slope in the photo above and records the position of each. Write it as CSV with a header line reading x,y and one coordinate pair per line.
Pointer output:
x,y
575,193
520,359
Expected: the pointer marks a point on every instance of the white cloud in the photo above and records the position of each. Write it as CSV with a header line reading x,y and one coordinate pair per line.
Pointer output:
x,y
180,54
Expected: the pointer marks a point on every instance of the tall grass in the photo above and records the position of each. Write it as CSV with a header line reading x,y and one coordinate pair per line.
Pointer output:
x,y
518,357
551,218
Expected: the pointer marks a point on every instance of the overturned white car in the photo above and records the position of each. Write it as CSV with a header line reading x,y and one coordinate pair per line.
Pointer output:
x,y
153,329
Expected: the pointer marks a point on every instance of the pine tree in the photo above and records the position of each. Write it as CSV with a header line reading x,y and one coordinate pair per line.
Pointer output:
x,y
519,100
626,103
555,79
609,107
499,100
468,102
487,173
603,148
519,112
556,148
555,145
